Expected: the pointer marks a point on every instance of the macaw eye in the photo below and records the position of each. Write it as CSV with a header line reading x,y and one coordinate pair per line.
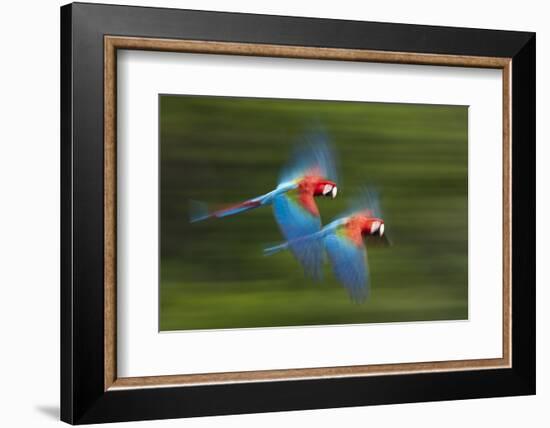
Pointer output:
x,y
381,230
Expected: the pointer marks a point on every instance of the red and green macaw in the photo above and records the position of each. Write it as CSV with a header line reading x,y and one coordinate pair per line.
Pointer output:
x,y
311,173
342,240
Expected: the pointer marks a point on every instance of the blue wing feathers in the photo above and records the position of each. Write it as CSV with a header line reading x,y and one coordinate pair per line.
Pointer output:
x,y
295,222
349,261
349,265
314,152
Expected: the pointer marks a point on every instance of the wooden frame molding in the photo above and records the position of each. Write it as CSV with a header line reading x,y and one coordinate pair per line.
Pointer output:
x,y
113,43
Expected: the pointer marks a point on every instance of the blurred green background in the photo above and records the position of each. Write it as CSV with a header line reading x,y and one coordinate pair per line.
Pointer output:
x,y
223,150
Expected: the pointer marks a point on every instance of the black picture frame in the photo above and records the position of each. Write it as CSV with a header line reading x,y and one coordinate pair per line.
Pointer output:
x,y
83,398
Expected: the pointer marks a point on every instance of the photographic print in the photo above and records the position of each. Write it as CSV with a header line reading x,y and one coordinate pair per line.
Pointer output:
x,y
288,212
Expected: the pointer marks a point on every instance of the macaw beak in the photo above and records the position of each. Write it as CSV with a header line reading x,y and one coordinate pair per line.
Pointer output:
x,y
331,190
377,227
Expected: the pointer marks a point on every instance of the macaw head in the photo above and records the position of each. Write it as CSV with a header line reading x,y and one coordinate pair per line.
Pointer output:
x,y
325,188
317,185
371,225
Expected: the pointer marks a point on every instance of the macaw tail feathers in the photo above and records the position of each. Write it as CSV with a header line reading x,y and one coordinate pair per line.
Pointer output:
x,y
198,211
275,249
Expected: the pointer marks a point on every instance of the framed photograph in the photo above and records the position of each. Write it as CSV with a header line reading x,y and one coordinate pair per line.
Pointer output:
x,y
266,213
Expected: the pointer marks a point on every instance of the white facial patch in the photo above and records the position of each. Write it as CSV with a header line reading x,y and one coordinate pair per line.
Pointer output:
x,y
327,189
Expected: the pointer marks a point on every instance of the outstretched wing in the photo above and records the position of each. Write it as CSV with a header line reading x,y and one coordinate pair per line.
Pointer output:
x,y
312,156
296,220
348,257
367,199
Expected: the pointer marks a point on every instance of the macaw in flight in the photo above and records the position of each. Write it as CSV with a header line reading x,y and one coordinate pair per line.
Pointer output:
x,y
310,173
342,239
